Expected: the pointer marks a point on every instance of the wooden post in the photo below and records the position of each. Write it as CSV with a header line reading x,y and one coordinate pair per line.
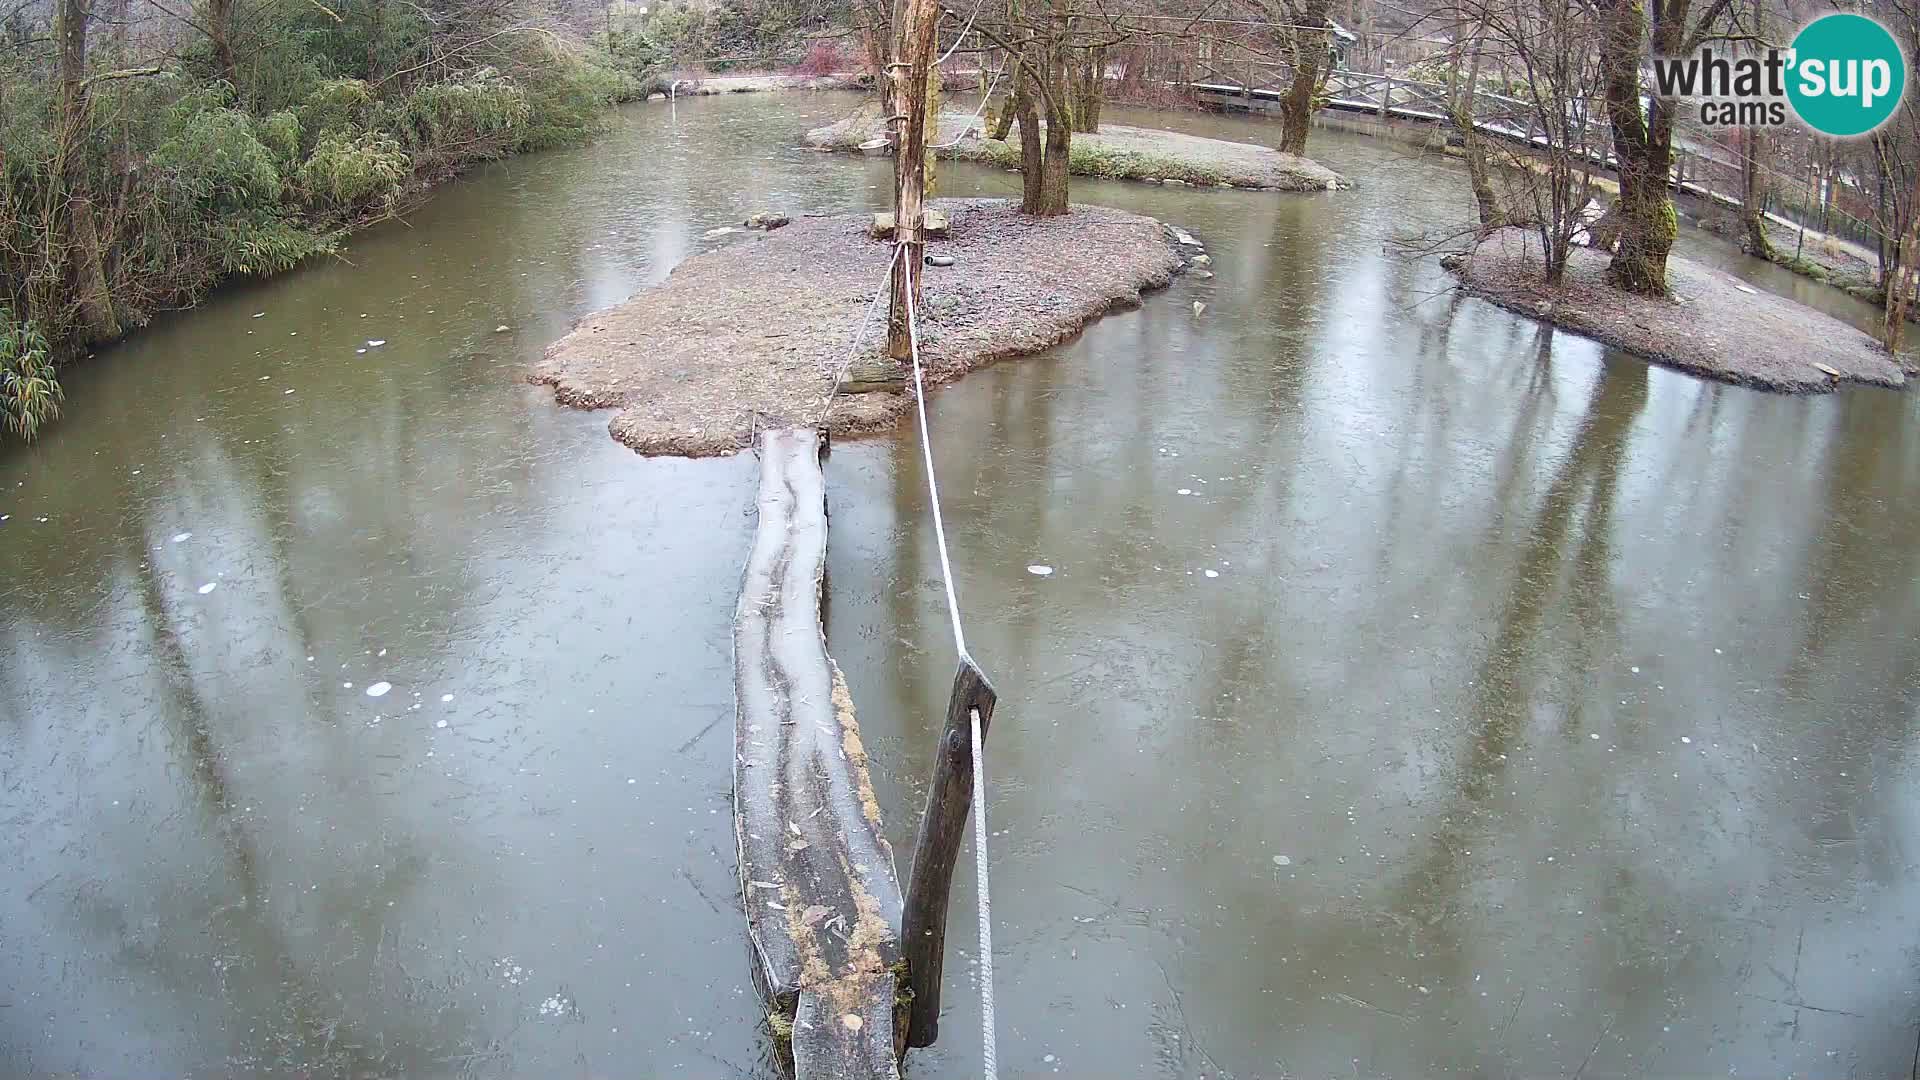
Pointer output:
x,y
943,827
1386,96
908,74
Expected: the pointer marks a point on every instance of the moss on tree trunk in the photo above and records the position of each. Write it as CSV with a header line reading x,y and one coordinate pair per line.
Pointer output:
x,y
1308,55
1643,147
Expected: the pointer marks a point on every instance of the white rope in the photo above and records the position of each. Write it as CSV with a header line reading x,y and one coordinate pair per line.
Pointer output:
x,y
853,347
977,110
964,31
926,449
988,1047
988,1051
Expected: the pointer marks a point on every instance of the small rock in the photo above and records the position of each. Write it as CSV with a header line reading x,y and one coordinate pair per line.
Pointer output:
x,y
502,328
768,222
1333,185
1203,275
1282,860
1149,179
1202,260
1172,182
1198,307
721,231
873,376
881,228
934,224
1040,570
1748,289
656,97
939,260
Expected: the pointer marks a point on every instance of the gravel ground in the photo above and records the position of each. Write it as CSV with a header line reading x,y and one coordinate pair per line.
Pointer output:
x,y
1116,152
754,334
1714,326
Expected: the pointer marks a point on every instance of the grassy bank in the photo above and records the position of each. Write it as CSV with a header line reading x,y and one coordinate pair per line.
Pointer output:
x,y
138,178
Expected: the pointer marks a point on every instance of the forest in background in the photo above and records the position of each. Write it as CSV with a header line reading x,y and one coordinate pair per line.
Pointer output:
x,y
150,149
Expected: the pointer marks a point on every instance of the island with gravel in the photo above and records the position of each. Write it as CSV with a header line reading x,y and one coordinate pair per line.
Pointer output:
x,y
1712,324
760,332
1115,152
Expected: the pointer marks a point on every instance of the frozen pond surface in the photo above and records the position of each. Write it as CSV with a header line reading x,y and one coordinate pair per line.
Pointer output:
x,y
1389,687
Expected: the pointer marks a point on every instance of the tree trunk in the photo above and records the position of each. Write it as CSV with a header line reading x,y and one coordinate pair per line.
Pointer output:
x,y
1644,151
220,35
931,112
85,262
1753,199
1003,118
376,30
1032,200
909,74
1308,54
1900,283
1053,170
1479,172
1089,90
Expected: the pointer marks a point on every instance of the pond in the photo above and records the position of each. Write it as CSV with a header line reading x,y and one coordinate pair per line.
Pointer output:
x,y
1417,691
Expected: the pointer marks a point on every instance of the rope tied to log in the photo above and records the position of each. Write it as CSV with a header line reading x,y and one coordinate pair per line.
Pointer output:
x,y
989,1052
853,347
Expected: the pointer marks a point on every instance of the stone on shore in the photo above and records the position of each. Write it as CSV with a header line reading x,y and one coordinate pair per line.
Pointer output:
x,y
933,225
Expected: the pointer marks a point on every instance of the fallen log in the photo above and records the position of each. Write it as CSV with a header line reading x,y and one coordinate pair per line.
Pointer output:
x,y
817,877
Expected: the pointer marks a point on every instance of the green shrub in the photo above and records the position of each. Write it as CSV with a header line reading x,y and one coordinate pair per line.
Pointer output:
x,y
280,133
29,394
336,105
348,175
267,243
483,116
215,162
568,103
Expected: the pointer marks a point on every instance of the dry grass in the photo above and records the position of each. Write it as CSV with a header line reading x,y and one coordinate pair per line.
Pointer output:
x,y
754,334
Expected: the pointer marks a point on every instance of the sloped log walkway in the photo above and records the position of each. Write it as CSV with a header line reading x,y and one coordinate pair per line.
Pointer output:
x,y
816,873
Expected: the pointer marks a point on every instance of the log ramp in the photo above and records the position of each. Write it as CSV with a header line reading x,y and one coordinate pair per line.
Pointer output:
x,y
817,877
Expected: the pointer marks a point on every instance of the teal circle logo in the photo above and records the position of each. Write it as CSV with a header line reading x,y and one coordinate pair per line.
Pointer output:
x,y
1847,74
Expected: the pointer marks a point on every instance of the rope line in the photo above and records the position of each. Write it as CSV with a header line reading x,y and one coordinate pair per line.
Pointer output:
x,y
853,347
964,31
977,110
989,1053
933,486
988,1045
989,1048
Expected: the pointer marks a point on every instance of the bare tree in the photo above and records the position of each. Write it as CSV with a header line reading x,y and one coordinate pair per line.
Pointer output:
x,y
1545,184
1643,136
1895,150
1305,42
84,257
